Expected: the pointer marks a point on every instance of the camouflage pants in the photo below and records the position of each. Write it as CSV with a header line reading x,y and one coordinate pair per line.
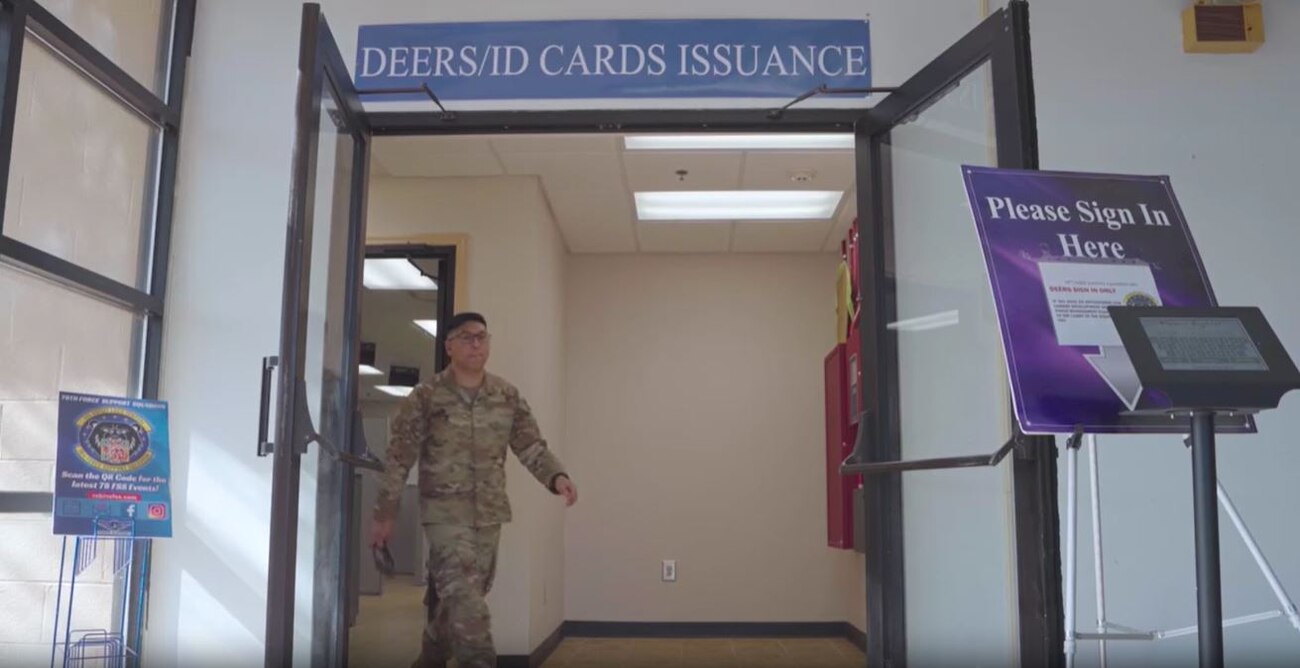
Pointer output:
x,y
462,566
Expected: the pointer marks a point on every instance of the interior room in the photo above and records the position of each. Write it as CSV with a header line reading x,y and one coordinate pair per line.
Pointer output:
x,y
672,351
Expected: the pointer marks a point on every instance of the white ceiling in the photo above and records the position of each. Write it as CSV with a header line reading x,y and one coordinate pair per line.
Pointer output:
x,y
589,181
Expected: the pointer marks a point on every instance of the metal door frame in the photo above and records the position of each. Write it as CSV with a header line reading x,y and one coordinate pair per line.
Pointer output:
x,y
319,64
1001,39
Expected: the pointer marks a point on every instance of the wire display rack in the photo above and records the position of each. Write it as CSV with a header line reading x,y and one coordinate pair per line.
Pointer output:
x,y
100,647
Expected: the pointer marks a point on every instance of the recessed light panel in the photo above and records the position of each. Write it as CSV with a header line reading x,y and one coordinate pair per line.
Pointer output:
x,y
742,142
397,273
737,205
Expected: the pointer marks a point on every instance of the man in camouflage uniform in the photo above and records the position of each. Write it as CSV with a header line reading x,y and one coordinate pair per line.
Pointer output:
x,y
458,426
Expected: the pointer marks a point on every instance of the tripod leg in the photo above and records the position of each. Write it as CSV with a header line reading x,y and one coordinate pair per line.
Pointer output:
x,y
1071,549
1288,607
1098,565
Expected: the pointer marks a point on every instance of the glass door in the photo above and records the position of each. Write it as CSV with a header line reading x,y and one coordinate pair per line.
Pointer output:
x,y
962,538
314,447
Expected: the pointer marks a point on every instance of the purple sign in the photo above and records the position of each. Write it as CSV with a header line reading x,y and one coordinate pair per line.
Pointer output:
x,y
1060,249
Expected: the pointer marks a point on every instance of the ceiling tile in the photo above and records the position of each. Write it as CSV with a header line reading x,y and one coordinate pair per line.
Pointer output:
x,y
588,180
587,143
712,237
569,171
593,221
436,156
775,170
438,144
588,195
655,170
780,237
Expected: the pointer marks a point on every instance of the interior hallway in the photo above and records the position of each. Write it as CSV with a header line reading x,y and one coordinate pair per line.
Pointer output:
x,y
387,635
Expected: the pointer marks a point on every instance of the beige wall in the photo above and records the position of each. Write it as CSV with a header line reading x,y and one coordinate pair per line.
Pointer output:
x,y
695,423
547,564
515,266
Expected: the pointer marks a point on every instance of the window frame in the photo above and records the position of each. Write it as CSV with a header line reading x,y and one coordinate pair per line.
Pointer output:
x,y
19,20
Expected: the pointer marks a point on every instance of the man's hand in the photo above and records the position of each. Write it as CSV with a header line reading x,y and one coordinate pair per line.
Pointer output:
x,y
380,532
567,489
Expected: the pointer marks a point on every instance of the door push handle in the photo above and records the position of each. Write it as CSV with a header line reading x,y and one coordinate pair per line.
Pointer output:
x,y
366,460
264,444
363,461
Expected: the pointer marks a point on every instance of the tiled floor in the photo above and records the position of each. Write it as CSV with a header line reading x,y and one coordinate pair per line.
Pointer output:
x,y
388,634
710,653
388,627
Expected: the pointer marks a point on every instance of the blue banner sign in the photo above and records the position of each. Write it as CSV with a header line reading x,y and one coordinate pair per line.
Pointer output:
x,y
113,472
614,59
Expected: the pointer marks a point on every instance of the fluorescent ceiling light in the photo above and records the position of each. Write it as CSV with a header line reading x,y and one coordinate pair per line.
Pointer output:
x,y
921,324
395,390
429,327
738,204
395,273
758,141
367,370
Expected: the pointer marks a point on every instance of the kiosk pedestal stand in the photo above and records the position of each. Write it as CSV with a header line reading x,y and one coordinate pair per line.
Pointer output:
x,y
1209,596
1207,362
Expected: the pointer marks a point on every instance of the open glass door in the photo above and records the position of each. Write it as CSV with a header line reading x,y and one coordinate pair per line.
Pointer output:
x,y
315,449
961,529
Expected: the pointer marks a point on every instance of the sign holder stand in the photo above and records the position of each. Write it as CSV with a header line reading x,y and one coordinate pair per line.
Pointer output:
x,y
112,492
105,646
1110,631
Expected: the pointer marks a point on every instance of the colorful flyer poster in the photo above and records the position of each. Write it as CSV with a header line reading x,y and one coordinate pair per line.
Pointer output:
x,y
1060,249
113,470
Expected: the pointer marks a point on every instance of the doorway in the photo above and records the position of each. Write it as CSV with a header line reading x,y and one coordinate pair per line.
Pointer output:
x,y
590,302
407,290
894,163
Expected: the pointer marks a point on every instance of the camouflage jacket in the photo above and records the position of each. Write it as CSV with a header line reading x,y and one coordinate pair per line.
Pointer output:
x,y
461,449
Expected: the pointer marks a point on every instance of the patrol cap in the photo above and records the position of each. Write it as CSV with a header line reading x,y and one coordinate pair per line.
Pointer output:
x,y
461,319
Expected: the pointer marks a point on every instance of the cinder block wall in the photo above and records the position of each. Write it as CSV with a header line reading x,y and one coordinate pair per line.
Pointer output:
x,y
80,188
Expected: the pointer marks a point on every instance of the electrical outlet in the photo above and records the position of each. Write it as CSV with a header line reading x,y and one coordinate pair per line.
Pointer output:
x,y
670,570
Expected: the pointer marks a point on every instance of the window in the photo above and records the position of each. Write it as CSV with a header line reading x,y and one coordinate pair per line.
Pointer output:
x,y
82,171
89,134
134,34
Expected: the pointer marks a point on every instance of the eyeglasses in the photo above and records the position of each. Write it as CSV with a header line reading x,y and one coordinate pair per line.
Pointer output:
x,y
470,339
